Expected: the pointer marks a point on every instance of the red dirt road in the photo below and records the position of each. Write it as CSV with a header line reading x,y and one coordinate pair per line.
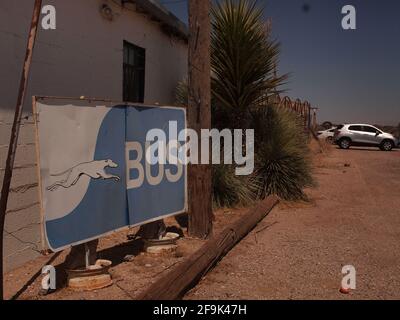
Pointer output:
x,y
299,250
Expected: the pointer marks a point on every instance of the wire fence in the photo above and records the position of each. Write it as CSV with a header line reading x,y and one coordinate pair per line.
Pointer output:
x,y
303,109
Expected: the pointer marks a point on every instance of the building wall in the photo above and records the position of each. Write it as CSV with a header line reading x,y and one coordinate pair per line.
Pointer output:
x,y
82,57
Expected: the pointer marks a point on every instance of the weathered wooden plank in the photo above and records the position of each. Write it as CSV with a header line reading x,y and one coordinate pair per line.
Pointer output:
x,y
182,278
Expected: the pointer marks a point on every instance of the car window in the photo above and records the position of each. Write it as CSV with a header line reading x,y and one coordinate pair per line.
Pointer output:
x,y
333,130
369,129
355,128
340,127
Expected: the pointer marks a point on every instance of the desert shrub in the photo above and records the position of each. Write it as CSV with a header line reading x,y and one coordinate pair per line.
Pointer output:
x,y
230,190
283,164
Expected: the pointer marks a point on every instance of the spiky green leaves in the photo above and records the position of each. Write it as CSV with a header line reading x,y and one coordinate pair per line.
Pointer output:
x,y
243,59
283,164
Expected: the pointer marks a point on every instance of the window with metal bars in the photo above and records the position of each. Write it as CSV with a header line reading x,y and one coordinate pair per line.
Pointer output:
x,y
134,72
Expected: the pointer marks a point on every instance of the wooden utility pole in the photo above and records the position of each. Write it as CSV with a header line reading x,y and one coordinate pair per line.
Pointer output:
x,y
12,148
199,115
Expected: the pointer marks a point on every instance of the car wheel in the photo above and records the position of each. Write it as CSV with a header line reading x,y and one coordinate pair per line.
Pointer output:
x,y
329,140
344,143
387,145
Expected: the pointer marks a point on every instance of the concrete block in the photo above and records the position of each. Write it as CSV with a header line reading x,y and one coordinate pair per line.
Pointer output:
x,y
5,133
26,156
27,133
23,219
30,235
18,259
22,200
23,177
21,246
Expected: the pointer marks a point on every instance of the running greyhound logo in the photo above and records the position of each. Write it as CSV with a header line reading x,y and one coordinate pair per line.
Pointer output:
x,y
94,170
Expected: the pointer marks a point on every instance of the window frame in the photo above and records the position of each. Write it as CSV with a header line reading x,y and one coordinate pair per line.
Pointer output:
x,y
351,128
134,73
375,130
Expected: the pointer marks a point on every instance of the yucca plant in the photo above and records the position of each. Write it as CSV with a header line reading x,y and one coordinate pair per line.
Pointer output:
x,y
283,164
230,190
243,61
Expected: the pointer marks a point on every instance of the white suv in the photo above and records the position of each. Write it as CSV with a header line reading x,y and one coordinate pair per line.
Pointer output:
x,y
364,135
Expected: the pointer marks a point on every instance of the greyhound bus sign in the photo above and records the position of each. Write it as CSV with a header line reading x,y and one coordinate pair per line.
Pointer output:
x,y
94,177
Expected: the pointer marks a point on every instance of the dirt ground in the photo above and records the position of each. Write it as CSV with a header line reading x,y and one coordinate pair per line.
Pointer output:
x,y
130,277
297,252
353,218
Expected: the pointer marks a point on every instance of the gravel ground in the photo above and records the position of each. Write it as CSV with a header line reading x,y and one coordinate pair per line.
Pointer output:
x,y
298,251
130,277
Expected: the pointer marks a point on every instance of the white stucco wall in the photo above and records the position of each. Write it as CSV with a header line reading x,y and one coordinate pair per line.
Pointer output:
x,y
83,57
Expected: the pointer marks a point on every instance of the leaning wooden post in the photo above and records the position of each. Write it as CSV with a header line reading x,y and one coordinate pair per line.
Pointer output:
x,y
199,115
15,131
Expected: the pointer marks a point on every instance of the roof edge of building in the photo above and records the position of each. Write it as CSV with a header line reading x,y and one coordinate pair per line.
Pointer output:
x,y
169,22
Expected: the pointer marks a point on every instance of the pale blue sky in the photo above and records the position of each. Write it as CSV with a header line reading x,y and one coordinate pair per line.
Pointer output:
x,y
352,76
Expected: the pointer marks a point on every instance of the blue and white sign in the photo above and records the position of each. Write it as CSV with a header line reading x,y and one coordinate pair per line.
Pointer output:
x,y
93,171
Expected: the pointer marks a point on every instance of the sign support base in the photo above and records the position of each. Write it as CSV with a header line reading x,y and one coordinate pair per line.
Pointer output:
x,y
94,277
